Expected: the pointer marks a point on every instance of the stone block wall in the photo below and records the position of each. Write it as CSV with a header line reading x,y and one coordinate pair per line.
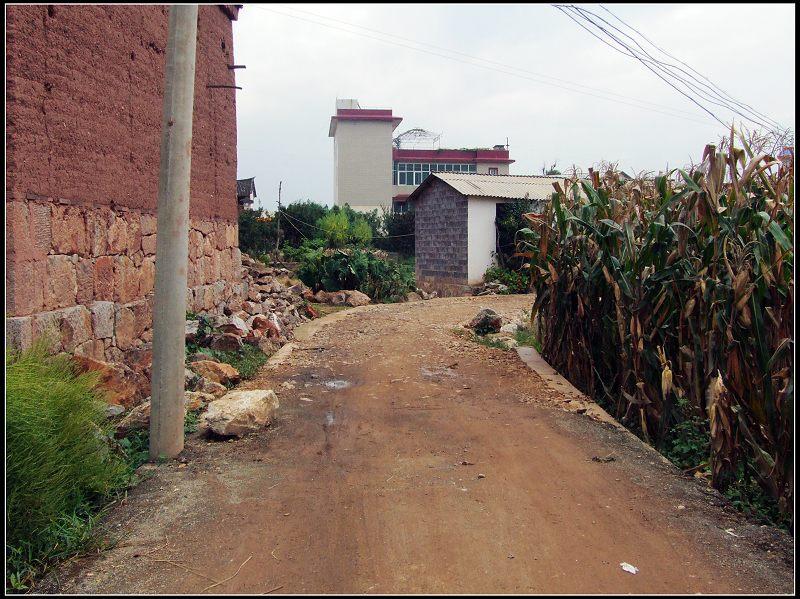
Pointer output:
x,y
85,275
83,129
440,240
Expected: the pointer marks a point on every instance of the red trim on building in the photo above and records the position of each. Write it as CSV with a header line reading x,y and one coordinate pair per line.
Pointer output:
x,y
400,197
454,156
363,114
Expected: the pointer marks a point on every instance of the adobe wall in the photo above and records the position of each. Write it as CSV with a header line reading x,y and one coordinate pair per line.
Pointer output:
x,y
83,121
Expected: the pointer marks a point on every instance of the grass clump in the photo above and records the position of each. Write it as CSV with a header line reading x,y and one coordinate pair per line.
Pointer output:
x,y
527,337
60,466
246,360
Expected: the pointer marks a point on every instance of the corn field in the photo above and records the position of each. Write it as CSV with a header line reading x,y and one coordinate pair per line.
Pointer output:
x,y
671,298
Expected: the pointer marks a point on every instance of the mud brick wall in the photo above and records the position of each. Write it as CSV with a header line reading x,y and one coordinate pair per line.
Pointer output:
x,y
440,240
83,131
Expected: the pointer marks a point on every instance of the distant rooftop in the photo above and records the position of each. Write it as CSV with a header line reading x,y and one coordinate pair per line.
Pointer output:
x,y
513,187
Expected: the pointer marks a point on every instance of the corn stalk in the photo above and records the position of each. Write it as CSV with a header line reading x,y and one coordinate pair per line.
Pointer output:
x,y
655,294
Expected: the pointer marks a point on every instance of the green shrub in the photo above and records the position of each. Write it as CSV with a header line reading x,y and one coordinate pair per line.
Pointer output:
x,y
516,281
360,231
510,220
60,468
298,220
335,228
380,278
258,232
398,228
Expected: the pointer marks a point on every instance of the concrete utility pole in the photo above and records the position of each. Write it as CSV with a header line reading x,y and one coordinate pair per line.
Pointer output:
x,y
172,239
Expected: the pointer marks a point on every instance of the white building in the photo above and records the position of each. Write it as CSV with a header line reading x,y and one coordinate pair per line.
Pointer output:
x,y
370,173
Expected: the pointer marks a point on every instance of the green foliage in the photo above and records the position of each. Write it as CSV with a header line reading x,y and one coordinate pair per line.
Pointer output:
x,y
649,291
399,232
298,220
360,232
527,338
380,278
688,444
60,468
335,227
516,281
258,232
246,360
509,221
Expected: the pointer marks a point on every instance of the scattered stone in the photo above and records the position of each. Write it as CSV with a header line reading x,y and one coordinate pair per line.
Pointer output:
x,y
211,387
356,298
121,384
139,417
486,321
201,355
191,330
114,410
240,412
413,296
219,372
226,342
236,326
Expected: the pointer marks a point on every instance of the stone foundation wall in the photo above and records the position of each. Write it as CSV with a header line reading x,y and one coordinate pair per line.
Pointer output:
x,y
85,275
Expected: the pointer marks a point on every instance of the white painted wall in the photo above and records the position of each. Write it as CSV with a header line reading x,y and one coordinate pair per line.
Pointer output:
x,y
483,168
481,237
362,164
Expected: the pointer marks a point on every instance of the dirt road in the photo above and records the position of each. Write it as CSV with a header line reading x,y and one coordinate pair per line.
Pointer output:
x,y
406,459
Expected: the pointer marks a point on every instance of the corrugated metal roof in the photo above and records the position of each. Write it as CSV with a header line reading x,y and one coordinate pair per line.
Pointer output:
x,y
513,187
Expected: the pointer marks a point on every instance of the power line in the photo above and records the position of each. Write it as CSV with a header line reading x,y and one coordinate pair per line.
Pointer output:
x,y
504,65
662,69
486,67
565,9
684,64
286,214
708,93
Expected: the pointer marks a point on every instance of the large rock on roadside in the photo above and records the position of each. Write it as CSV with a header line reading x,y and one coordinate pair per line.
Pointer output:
x,y
192,327
356,298
211,387
239,413
236,326
139,417
219,372
121,385
226,342
486,321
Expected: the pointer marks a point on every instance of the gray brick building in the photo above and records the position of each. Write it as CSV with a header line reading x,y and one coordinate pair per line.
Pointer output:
x,y
455,234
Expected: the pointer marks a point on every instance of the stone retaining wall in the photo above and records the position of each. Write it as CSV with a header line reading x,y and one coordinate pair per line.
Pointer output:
x,y
86,275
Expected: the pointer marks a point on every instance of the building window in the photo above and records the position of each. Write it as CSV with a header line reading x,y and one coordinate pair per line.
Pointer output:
x,y
400,207
492,170
414,173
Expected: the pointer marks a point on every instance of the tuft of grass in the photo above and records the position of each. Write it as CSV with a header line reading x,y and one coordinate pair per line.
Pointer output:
x,y
527,337
246,360
60,467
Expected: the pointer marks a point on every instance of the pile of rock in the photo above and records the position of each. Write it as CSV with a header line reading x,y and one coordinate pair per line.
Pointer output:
x,y
491,288
274,290
489,324
341,298
228,413
420,294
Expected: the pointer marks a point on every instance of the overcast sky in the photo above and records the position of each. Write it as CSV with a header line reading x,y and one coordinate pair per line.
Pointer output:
x,y
297,68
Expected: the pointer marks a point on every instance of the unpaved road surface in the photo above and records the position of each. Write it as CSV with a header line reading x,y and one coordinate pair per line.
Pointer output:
x,y
407,459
